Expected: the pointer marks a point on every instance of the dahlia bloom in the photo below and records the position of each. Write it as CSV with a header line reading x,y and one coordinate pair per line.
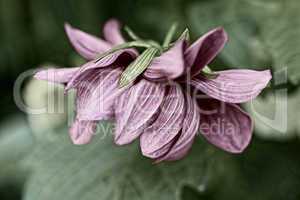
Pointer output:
x,y
169,103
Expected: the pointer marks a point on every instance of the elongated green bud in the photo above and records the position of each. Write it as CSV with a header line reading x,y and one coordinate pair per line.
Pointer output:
x,y
137,67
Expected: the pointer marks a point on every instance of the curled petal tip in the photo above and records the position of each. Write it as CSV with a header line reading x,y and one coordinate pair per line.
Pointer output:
x,y
268,74
221,31
40,75
79,142
67,88
122,142
112,32
82,132
266,78
113,21
43,75
68,27
149,153
62,75
118,143
225,34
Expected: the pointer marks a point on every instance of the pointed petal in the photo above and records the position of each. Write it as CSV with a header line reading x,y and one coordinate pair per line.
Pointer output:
x,y
169,65
134,108
159,137
189,130
95,96
112,32
81,132
88,46
204,50
62,75
119,58
225,125
233,86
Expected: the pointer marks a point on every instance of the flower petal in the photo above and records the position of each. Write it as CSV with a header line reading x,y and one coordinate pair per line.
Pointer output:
x,y
112,32
169,65
95,96
204,50
88,46
62,75
134,108
81,132
189,130
233,86
119,58
159,137
225,125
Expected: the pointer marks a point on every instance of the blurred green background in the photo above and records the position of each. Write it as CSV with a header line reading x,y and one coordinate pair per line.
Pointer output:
x,y
37,160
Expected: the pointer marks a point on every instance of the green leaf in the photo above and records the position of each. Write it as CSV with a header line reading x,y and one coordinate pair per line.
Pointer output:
x,y
16,141
101,170
283,41
137,67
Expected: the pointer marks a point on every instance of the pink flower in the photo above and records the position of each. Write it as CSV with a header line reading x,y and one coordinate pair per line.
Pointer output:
x,y
166,106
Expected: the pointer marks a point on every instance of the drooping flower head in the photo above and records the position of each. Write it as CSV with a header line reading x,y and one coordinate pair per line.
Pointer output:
x,y
165,95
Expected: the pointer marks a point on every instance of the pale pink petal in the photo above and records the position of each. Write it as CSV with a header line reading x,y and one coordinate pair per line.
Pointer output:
x,y
225,125
134,108
159,137
233,86
189,130
62,75
88,46
81,132
169,65
96,95
204,50
112,32
117,59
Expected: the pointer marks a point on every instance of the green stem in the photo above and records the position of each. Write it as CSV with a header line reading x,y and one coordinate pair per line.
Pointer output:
x,y
170,35
131,34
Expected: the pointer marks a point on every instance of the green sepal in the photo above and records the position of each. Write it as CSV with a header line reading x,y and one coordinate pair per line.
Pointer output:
x,y
185,35
137,67
123,46
170,35
208,73
131,34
